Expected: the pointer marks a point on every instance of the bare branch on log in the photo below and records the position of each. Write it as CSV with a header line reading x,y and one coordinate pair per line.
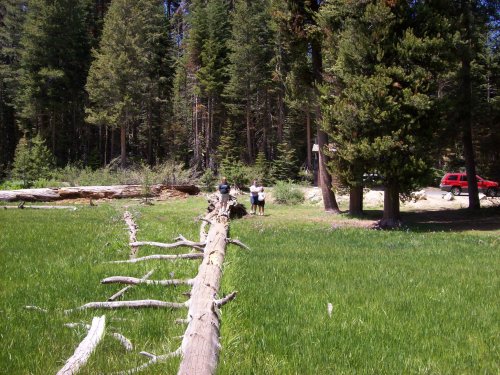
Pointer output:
x,y
154,359
239,243
36,308
146,303
221,302
86,347
185,243
136,281
122,291
127,344
132,230
161,257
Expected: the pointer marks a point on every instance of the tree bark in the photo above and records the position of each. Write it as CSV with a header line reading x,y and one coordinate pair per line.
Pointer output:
x,y
356,200
200,345
123,145
466,111
308,139
392,216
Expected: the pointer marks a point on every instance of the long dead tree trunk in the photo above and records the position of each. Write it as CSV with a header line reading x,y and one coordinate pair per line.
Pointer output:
x,y
200,345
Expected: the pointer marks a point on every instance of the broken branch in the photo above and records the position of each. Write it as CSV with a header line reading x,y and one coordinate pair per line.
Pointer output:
x,y
132,229
239,243
122,291
162,257
221,302
186,243
146,303
86,347
36,308
136,281
154,359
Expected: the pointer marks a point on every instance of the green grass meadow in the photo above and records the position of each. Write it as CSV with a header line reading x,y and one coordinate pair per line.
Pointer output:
x,y
410,301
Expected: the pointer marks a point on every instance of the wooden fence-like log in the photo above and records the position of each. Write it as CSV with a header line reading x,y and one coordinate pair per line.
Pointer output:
x,y
122,291
146,303
161,257
86,347
136,281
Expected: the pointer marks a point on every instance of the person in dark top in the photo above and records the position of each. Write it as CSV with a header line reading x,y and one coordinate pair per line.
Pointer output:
x,y
224,189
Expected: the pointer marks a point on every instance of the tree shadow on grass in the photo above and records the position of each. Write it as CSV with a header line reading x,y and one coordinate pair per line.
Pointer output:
x,y
458,220
453,220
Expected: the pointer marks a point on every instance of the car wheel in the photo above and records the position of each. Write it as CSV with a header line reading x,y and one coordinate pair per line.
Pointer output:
x,y
491,192
455,190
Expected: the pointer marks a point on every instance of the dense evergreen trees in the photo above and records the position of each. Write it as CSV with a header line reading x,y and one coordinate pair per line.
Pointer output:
x,y
387,87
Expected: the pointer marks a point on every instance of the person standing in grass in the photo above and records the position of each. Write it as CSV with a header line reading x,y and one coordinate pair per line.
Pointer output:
x,y
224,189
261,201
254,197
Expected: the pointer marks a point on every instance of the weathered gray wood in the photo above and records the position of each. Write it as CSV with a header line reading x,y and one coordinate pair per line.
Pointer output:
x,y
122,291
132,230
136,281
161,257
86,347
146,303
182,243
200,345
94,192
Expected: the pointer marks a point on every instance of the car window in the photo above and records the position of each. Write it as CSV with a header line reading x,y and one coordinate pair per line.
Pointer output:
x,y
463,178
453,177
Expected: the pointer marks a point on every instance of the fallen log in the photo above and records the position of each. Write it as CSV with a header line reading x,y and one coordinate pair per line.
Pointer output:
x,y
184,242
86,347
92,192
200,345
73,208
132,230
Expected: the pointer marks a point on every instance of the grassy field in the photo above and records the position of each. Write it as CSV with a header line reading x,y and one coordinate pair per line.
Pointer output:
x,y
410,301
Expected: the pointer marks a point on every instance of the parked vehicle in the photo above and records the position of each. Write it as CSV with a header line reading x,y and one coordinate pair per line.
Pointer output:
x,y
457,184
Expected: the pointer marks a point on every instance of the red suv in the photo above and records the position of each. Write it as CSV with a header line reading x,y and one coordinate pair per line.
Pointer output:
x,y
457,183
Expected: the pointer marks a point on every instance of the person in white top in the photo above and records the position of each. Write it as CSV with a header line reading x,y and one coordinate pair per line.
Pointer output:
x,y
254,197
261,197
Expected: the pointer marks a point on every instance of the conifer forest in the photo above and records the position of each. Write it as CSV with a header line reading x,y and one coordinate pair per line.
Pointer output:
x,y
393,88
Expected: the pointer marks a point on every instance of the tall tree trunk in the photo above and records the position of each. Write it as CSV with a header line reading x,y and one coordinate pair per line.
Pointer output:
x,y
466,109
308,139
249,130
356,200
123,149
281,117
391,217
325,179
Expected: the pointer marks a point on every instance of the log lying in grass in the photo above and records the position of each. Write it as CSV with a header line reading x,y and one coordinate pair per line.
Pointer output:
x,y
86,347
72,208
181,243
94,192
132,230
200,345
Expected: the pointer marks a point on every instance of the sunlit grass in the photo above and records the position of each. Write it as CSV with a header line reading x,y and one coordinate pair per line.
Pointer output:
x,y
403,301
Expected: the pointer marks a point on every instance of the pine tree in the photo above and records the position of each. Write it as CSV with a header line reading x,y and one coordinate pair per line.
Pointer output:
x,y
131,71
382,106
12,14
54,62
32,160
284,168
250,68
